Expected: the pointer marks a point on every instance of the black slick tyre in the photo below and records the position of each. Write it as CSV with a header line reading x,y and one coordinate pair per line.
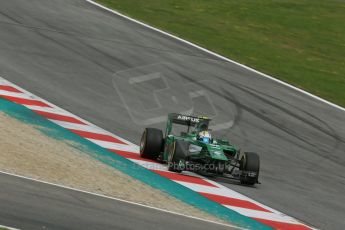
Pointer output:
x,y
151,143
250,167
178,151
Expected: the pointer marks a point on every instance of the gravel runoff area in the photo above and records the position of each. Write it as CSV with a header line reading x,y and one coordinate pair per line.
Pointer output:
x,y
27,151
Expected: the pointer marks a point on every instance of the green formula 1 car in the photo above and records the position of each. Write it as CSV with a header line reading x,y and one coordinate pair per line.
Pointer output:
x,y
188,145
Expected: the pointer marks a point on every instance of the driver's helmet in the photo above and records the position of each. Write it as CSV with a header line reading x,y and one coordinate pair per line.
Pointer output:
x,y
205,136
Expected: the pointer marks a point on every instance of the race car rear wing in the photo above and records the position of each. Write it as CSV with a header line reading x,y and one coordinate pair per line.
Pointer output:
x,y
175,118
183,119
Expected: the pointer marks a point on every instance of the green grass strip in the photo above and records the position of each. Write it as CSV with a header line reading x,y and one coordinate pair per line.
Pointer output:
x,y
301,42
128,167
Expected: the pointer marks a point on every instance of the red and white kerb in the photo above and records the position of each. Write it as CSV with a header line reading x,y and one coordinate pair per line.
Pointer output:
x,y
207,188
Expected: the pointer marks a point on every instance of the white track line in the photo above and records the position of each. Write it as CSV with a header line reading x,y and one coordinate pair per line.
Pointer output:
x,y
218,55
49,110
115,146
279,217
80,127
117,199
9,228
17,95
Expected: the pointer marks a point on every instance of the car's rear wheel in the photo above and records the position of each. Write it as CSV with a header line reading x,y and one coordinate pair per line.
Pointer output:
x,y
151,143
178,152
250,167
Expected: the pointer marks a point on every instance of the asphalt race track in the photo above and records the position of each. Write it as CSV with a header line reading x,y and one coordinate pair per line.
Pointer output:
x,y
27,204
122,77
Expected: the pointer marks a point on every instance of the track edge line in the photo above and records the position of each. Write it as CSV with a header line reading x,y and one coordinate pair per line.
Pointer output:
x,y
218,55
113,198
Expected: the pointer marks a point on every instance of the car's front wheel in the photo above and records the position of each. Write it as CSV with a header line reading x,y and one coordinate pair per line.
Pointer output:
x,y
250,167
